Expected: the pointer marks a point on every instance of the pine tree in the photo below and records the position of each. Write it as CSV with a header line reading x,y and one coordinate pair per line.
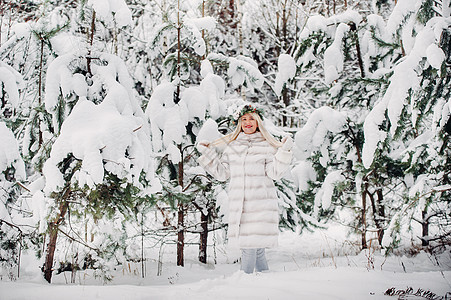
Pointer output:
x,y
174,116
376,177
353,88
427,201
86,179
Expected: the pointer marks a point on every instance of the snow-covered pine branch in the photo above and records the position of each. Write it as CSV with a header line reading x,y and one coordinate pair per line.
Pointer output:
x,y
193,27
312,137
10,157
405,80
169,119
286,71
12,81
323,197
240,70
109,10
103,140
110,82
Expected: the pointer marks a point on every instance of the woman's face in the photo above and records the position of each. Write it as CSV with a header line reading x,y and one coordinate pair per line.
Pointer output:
x,y
248,124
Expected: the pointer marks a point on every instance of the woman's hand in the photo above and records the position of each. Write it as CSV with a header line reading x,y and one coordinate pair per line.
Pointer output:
x,y
202,146
287,143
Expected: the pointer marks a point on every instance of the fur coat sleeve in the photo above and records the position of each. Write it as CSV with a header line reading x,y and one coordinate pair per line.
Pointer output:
x,y
215,164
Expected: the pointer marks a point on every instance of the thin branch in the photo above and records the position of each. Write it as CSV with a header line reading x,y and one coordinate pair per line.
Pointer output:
x,y
192,181
11,225
80,242
22,186
135,130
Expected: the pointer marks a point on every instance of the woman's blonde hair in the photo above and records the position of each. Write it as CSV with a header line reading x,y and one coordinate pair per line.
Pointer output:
x,y
232,136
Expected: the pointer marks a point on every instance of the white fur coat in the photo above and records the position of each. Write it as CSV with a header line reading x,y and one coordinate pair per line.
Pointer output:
x,y
251,164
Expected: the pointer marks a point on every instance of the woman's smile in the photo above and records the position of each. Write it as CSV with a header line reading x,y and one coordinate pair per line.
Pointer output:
x,y
248,124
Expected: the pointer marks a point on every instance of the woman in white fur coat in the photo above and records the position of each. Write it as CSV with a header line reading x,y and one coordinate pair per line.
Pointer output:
x,y
251,160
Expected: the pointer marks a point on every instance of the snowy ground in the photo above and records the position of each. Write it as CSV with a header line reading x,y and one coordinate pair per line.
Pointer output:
x,y
321,265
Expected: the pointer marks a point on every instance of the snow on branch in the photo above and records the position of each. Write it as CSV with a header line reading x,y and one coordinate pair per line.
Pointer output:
x,y
286,71
104,141
112,9
320,23
194,26
209,131
333,56
405,79
442,114
403,9
18,31
302,173
241,70
314,133
102,137
60,79
12,168
118,83
111,75
9,154
12,82
335,27
323,197
169,119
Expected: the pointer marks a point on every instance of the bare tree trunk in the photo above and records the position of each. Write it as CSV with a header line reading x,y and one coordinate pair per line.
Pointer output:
x,y
364,193
356,143
20,255
239,25
203,238
286,102
353,27
425,228
181,217
285,15
296,25
181,208
53,235
285,96
381,210
277,47
359,56
240,39
48,266
377,209
3,98
180,236
203,30
91,41
142,246
179,45
40,137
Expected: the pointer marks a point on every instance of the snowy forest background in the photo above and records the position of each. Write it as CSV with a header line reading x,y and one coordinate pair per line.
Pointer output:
x,y
102,102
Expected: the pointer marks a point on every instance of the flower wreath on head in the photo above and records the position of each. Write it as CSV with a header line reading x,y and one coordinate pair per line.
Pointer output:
x,y
244,109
